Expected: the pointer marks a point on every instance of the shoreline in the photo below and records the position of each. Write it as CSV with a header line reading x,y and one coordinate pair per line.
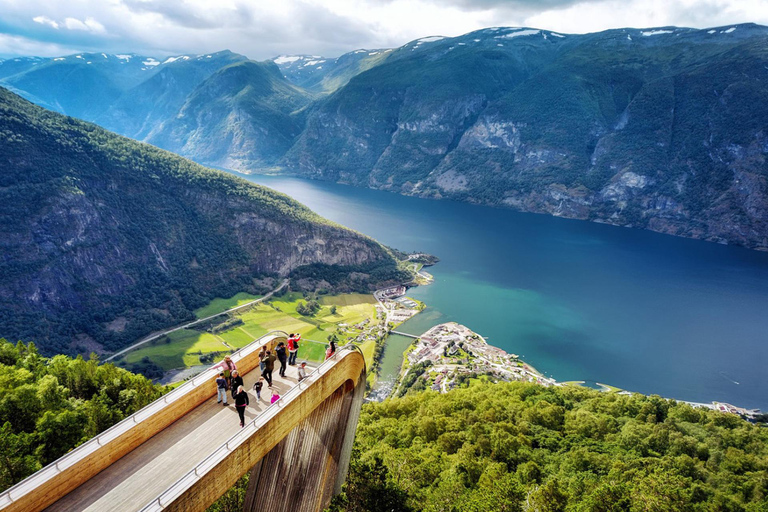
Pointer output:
x,y
442,349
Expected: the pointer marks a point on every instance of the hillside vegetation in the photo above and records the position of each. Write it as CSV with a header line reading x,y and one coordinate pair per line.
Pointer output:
x,y
49,406
105,239
518,446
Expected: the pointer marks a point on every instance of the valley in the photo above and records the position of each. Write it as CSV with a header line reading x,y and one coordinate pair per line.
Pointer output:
x,y
641,128
528,267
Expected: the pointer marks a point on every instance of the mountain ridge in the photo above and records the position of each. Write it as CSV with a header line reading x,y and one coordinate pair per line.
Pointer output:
x,y
98,228
613,126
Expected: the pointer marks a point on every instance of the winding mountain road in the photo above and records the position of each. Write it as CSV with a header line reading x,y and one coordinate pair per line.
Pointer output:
x,y
195,322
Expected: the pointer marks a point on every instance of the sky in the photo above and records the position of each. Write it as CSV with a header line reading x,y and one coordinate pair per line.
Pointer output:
x,y
263,29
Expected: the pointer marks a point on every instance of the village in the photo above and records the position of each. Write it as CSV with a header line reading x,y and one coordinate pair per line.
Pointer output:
x,y
394,307
448,353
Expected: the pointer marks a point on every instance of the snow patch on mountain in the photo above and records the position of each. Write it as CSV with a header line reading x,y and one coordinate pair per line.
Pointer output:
x,y
285,59
655,32
528,32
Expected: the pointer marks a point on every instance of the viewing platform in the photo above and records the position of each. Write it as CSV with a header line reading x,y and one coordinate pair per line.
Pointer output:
x,y
185,450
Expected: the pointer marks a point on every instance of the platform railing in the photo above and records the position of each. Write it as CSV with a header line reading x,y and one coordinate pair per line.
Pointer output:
x,y
71,458
218,455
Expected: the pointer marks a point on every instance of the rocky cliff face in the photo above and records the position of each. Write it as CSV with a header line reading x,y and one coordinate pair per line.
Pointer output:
x,y
104,239
660,129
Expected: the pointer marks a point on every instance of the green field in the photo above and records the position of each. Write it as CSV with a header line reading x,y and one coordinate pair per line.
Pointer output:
x,y
221,305
279,314
182,350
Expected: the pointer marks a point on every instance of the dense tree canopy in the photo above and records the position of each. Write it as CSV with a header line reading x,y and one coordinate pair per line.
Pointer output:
x,y
50,405
516,446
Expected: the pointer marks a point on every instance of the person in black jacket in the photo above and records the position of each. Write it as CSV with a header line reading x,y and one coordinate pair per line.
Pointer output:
x,y
236,381
269,365
241,401
282,356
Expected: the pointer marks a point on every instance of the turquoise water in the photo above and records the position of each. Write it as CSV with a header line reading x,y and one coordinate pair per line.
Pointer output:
x,y
580,301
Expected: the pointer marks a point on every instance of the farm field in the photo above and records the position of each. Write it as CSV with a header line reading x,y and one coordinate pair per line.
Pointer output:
x,y
219,305
184,348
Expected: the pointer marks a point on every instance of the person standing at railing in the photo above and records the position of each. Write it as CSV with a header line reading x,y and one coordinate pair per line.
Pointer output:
x,y
293,348
331,350
241,401
227,366
221,387
237,381
302,371
262,356
282,356
269,365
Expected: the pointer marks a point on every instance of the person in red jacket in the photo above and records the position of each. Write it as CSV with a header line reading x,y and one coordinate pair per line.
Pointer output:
x,y
293,348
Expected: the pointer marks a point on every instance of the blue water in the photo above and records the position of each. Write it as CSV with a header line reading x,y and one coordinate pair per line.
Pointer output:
x,y
580,301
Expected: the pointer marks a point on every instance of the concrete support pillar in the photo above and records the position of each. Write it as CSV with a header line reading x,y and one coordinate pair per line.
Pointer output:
x,y
307,468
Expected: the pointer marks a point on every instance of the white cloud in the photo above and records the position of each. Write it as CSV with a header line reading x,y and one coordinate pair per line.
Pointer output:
x,y
44,20
17,45
595,16
261,29
89,25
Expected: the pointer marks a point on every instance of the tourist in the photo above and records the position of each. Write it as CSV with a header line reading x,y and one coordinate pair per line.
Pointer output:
x,y
331,350
262,355
275,397
241,401
302,371
221,387
227,366
269,365
237,381
257,387
293,348
282,356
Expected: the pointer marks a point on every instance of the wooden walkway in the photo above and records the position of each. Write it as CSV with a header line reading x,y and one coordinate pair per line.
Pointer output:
x,y
140,476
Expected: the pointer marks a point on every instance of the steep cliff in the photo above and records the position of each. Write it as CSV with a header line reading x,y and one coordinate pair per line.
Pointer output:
x,y
104,239
665,129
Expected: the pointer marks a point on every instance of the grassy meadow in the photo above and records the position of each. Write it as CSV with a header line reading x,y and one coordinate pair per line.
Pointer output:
x,y
183,348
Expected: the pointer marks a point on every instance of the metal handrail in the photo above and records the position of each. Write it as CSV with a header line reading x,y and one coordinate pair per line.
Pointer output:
x,y
199,471
67,460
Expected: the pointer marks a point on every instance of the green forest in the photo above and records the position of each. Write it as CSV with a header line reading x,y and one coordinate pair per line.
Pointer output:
x,y
489,447
50,405
517,446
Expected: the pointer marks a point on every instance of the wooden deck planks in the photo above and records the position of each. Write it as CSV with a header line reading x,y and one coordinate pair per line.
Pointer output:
x,y
159,462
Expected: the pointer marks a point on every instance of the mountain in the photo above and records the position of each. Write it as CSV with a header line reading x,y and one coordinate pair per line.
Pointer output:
x,y
127,93
321,75
664,128
245,115
105,239
220,109
81,85
141,109
660,128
